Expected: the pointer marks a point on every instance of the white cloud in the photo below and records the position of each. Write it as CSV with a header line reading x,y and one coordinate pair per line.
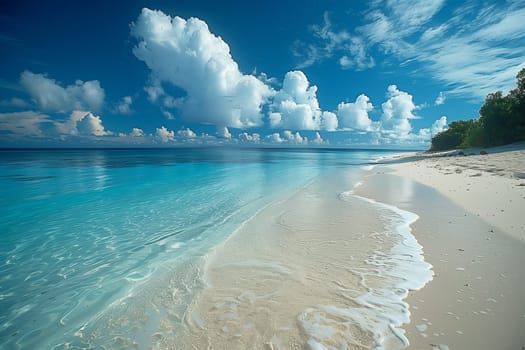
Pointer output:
x,y
439,125
27,123
424,135
357,56
295,106
329,121
170,102
154,91
167,114
397,112
251,138
474,49
90,124
295,139
52,97
224,133
354,115
412,14
33,124
389,22
329,42
186,54
82,123
124,105
186,134
504,25
440,99
287,137
274,138
157,93
137,132
318,140
477,50
164,135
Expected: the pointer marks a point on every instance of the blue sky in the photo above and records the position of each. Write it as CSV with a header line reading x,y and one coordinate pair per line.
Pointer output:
x,y
380,73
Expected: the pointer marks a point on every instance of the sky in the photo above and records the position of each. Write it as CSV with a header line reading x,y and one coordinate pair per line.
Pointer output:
x,y
326,73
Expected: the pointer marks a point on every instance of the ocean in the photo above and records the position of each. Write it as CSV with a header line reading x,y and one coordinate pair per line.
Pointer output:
x,y
111,248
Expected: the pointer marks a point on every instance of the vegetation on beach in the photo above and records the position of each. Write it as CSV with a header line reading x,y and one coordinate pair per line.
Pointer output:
x,y
501,122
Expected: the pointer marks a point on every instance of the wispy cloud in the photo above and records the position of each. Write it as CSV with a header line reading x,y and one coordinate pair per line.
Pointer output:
x,y
349,50
473,49
480,59
440,100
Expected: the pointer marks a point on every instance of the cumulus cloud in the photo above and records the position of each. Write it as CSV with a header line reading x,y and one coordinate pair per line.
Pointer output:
x,y
164,135
124,105
224,133
186,134
424,135
274,138
329,121
439,125
186,54
295,106
50,96
318,140
296,138
91,125
249,138
287,137
397,112
354,115
136,132
82,123
34,124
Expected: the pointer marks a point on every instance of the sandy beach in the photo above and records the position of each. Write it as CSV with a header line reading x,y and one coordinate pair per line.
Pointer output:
x,y
472,229
422,254
319,270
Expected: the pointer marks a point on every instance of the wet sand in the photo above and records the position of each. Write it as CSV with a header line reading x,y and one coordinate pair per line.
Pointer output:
x,y
315,271
471,227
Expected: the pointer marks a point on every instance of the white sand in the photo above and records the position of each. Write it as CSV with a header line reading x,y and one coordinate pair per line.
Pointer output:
x,y
321,270
472,231
491,186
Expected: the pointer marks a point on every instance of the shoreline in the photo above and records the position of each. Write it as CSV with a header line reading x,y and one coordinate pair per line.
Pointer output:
x,y
307,271
471,228
323,269
490,186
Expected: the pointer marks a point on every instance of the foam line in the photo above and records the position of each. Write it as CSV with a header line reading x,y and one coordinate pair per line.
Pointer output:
x,y
381,311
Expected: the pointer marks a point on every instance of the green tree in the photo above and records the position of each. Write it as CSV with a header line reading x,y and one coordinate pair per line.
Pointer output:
x,y
453,137
495,118
502,121
517,100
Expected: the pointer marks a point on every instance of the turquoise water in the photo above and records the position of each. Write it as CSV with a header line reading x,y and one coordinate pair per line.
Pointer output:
x,y
82,229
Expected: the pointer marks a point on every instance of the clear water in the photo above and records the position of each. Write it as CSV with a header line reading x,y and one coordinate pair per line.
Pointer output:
x,y
82,229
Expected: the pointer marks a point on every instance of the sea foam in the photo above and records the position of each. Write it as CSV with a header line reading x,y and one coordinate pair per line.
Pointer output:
x,y
381,310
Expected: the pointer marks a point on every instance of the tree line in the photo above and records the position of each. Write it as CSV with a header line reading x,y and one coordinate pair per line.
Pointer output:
x,y
501,122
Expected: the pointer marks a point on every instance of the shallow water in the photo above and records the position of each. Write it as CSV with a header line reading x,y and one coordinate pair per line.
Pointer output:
x,y
323,269
94,242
